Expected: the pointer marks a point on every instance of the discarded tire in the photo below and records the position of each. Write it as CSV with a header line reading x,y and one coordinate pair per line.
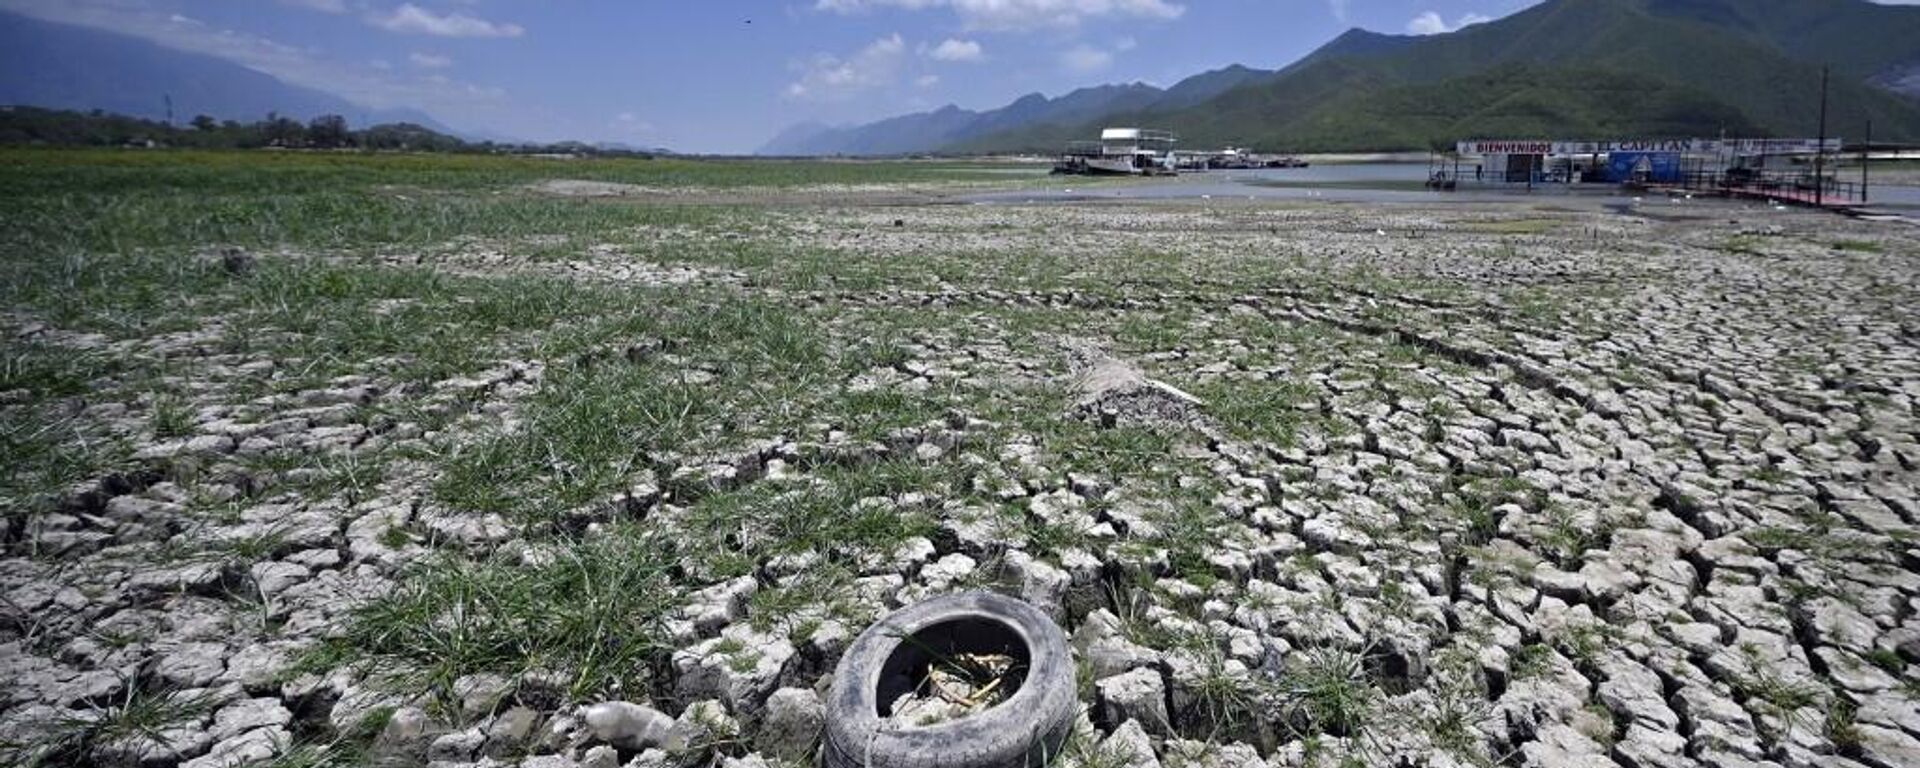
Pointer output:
x,y
1025,730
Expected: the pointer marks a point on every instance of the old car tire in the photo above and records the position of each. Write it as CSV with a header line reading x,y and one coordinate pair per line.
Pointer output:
x,y
1024,731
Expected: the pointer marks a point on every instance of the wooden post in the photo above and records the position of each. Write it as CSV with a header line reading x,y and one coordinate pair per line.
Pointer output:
x,y
1866,158
1820,152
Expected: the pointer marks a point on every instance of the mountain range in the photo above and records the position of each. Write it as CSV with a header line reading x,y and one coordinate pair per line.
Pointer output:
x,y
60,66
1562,68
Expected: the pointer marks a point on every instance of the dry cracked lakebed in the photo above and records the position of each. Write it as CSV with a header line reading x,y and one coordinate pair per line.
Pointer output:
x,y
1350,485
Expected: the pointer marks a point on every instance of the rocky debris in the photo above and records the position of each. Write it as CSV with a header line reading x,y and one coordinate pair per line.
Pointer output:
x,y
247,715
1561,744
1107,652
715,607
791,726
1128,744
628,726
253,747
237,261
1038,582
1113,390
1138,695
192,665
740,668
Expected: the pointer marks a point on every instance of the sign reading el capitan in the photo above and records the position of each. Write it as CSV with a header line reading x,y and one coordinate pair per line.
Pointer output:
x,y
1681,146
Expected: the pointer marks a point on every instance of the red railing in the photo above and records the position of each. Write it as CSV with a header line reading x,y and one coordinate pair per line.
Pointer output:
x,y
1788,187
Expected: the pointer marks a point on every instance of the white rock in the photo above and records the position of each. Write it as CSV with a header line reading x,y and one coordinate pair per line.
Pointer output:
x,y
628,725
248,714
790,726
740,668
1137,695
192,665
251,748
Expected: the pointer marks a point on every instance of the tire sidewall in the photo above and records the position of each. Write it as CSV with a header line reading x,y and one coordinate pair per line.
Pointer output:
x,y
1024,730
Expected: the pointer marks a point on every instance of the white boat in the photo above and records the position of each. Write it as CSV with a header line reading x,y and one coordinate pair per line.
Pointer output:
x,y
1121,152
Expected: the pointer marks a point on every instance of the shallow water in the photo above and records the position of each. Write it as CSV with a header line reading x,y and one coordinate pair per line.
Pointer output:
x,y
1345,183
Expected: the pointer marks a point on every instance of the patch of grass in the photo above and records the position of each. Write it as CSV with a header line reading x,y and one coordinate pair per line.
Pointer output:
x,y
1839,727
593,426
1512,226
1585,643
78,736
1566,538
45,371
1531,660
1887,660
593,611
717,736
1259,410
170,416
252,549
1191,529
1046,538
1600,714
1858,246
1774,537
1767,475
1460,706
1120,451
1742,245
1326,690
1475,507
1083,748
351,476
1765,686
1227,703
42,455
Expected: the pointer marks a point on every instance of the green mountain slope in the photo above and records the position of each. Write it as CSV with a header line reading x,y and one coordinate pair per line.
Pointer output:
x,y
1563,68
1862,40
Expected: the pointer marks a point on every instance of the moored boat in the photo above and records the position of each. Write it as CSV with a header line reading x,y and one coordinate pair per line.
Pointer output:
x,y
1121,152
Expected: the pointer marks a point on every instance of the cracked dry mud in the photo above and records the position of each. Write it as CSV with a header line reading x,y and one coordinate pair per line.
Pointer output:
x,y
1592,489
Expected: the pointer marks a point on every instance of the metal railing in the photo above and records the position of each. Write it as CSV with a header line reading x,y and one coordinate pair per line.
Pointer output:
x,y
1798,187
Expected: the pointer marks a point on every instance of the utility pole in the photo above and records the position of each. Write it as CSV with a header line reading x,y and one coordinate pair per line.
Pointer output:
x,y
1820,152
1866,156
168,97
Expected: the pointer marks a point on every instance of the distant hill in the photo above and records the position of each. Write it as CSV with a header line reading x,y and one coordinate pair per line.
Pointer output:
x,y
926,131
59,66
1561,68
953,126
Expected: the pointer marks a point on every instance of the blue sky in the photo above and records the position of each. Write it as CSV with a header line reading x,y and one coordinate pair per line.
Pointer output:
x,y
711,76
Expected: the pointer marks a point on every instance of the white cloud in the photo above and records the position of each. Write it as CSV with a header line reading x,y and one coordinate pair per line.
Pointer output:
x,y
927,81
1430,23
1085,59
412,19
429,61
323,6
630,123
826,77
1019,14
955,50
1339,9
372,84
